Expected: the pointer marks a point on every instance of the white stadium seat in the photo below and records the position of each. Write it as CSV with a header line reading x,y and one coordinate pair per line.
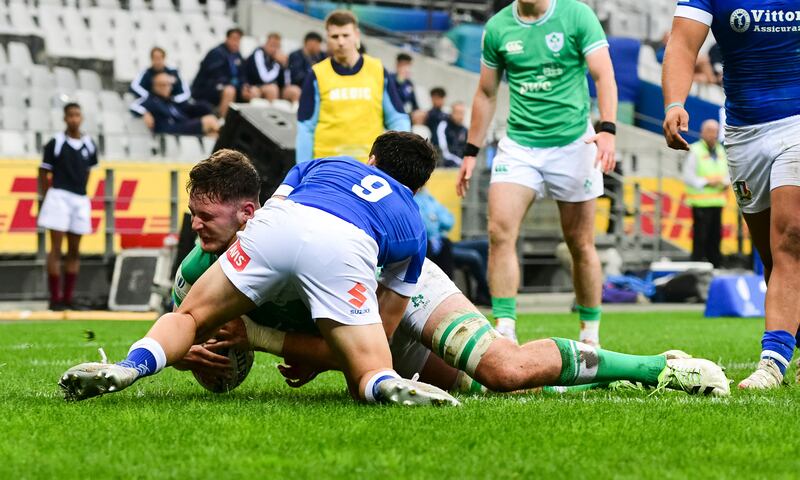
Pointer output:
x,y
12,143
39,120
12,97
114,147
65,78
19,55
111,102
112,123
12,118
191,149
89,80
40,98
140,147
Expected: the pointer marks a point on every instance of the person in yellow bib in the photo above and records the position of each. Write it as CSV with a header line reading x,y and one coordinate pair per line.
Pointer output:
x,y
706,176
347,100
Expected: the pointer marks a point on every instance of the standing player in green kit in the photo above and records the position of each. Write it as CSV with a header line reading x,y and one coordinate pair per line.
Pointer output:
x,y
551,150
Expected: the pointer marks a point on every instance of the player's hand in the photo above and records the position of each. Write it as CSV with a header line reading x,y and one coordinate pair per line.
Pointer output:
x,y
149,121
231,335
205,362
606,151
298,375
675,122
464,175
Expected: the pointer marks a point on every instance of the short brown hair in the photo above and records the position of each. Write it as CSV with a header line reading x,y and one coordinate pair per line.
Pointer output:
x,y
340,18
227,175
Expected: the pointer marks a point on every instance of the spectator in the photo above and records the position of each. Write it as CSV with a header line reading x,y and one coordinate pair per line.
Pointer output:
x,y
436,114
418,126
438,221
347,100
706,176
473,256
66,210
405,88
266,72
163,114
451,136
220,79
142,85
301,60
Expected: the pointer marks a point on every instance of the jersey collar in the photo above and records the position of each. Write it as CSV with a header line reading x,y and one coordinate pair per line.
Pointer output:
x,y
344,71
543,19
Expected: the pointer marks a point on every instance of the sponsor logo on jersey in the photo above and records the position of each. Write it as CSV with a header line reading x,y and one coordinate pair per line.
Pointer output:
x,y
358,299
740,20
538,86
554,41
742,191
351,93
237,257
514,47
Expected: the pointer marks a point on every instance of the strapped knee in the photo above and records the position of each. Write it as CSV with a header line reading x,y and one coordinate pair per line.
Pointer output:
x,y
462,338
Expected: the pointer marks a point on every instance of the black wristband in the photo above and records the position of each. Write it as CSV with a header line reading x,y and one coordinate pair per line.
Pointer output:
x,y
608,127
471,150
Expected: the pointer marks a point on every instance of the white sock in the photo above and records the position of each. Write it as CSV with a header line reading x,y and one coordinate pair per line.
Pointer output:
x,y
506,323
155,348
370,391
590,330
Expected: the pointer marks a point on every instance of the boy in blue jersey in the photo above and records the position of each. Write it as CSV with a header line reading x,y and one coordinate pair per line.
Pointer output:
x,y
330,225
760,47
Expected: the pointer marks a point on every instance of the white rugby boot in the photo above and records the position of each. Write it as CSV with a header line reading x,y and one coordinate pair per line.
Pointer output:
x,y
402,391
694,376
767,375
94,378
507,328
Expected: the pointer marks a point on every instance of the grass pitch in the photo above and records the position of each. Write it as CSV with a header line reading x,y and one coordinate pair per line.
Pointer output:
x,y
169,427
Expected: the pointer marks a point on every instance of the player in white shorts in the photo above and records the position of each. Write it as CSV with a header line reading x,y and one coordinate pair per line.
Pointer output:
x,y
762,138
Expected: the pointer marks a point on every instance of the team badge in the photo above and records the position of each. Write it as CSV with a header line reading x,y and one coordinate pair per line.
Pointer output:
x,y
740,20
555,41
742,191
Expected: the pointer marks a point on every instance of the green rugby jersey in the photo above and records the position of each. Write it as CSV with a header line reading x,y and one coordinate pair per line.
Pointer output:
x,y
545,66
286,312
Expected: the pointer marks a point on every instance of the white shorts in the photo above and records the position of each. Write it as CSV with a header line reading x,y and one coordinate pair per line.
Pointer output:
x,y
64,211
329,261
563,173
408,353
761,158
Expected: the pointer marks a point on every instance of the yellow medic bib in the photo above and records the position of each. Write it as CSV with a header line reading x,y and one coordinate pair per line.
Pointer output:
x,y
350,110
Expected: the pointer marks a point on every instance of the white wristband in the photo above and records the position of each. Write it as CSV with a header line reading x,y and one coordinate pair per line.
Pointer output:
x,y
264,338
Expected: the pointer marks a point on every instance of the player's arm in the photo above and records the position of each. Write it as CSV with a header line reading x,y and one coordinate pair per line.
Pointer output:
x,y
602,71
45,170
689,30
307,119
484,104
394,116
292,180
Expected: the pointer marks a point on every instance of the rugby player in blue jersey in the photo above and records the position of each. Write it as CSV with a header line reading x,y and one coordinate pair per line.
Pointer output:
x,y
760,45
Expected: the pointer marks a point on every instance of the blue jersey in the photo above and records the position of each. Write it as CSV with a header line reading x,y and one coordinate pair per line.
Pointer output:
x,y
369,199
760,45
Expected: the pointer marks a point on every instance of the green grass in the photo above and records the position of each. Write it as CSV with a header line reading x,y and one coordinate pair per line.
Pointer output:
x,y
168,427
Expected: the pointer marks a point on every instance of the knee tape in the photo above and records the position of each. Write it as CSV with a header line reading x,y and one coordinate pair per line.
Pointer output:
x,y
462,339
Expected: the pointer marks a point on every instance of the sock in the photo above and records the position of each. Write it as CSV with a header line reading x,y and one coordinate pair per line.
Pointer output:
x,y
69,286
504,308
590,323
371,392
147,356
582,363
778,345
54,283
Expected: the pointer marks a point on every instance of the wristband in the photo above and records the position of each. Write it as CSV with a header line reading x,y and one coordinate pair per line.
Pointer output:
x,y
266,338
471,150
608,127
671,106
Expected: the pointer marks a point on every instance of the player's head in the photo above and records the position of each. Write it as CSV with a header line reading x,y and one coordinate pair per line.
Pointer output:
x,y
709,131
273,44
312,43
405,156
223,195
158,58
457,112
403,65
233,38
344,37
437,97
73,116
162,84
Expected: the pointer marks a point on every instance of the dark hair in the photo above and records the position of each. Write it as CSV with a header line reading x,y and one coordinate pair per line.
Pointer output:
x,y
233,30
71,105
224,176
438,92
406,157
274,35
404,57
340,18
158,49
312,36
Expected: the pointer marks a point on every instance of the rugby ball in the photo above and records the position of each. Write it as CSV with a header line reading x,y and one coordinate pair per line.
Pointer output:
x,y
241,363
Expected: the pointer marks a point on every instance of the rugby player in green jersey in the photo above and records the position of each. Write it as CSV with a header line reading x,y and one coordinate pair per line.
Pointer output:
x,y
551,150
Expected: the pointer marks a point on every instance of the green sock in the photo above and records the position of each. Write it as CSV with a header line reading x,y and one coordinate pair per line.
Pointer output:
x,y
575,388
504,307
588,314
581,363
